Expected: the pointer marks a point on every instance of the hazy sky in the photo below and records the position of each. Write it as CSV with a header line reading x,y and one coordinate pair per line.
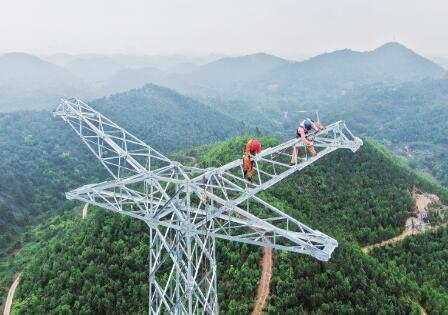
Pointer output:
x,y
282,27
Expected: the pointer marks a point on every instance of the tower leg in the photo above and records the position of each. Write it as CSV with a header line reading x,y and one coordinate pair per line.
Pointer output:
x,y
182,273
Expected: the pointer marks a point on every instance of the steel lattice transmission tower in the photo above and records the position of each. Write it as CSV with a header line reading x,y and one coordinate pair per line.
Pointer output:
x,y
188,208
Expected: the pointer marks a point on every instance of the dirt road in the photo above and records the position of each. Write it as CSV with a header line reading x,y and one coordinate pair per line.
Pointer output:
x,y
84,211
407,232
11,292
265,281
422,310
422,202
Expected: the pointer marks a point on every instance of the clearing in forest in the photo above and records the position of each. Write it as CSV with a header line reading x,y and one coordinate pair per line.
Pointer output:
x,y
413,225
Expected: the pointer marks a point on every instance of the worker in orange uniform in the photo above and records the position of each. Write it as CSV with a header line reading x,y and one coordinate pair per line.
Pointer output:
x,y
302,132
253,147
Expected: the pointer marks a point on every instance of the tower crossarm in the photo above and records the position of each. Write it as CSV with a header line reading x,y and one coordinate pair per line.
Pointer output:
x,y
264,225
271,166
119,151
269,227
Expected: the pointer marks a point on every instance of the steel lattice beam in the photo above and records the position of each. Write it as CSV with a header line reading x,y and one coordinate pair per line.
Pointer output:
x,y
188,208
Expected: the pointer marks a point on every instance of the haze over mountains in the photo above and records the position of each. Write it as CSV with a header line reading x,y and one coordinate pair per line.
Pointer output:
x,y
389,86
441,60
390,63
230,70
29,82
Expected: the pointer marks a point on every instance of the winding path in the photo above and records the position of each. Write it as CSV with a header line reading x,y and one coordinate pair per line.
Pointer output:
x,y
84,211
265,281
11,292
407,232
422,310
422,202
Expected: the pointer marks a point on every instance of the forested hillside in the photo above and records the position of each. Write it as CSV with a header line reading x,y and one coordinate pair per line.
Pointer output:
x,y
166,120
422,259
344,69
410,118
42,157
98,265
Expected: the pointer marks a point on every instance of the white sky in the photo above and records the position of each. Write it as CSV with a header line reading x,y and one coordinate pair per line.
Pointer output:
x,y
281,27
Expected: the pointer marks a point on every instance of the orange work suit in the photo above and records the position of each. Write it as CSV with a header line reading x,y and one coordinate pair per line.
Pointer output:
x,y
247,160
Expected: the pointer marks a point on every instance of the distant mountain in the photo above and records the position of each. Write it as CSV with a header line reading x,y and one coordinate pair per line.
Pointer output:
x,y
182,68
62,59
441,60
319,81
95,70
128,79
29,82
163,62
344,69
231,70
263,80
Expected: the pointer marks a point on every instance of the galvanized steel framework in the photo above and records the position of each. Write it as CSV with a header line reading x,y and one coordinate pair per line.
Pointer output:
x,y
188,208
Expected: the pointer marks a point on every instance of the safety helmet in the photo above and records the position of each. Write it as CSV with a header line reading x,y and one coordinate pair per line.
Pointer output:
x,y
308,124
255,146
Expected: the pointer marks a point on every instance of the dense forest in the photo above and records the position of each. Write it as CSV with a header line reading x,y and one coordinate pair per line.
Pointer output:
x,y
42,158
98,265
422,259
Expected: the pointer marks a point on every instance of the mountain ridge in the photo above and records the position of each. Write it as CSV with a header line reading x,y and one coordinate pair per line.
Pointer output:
x,y
27,82
230,70
391,62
